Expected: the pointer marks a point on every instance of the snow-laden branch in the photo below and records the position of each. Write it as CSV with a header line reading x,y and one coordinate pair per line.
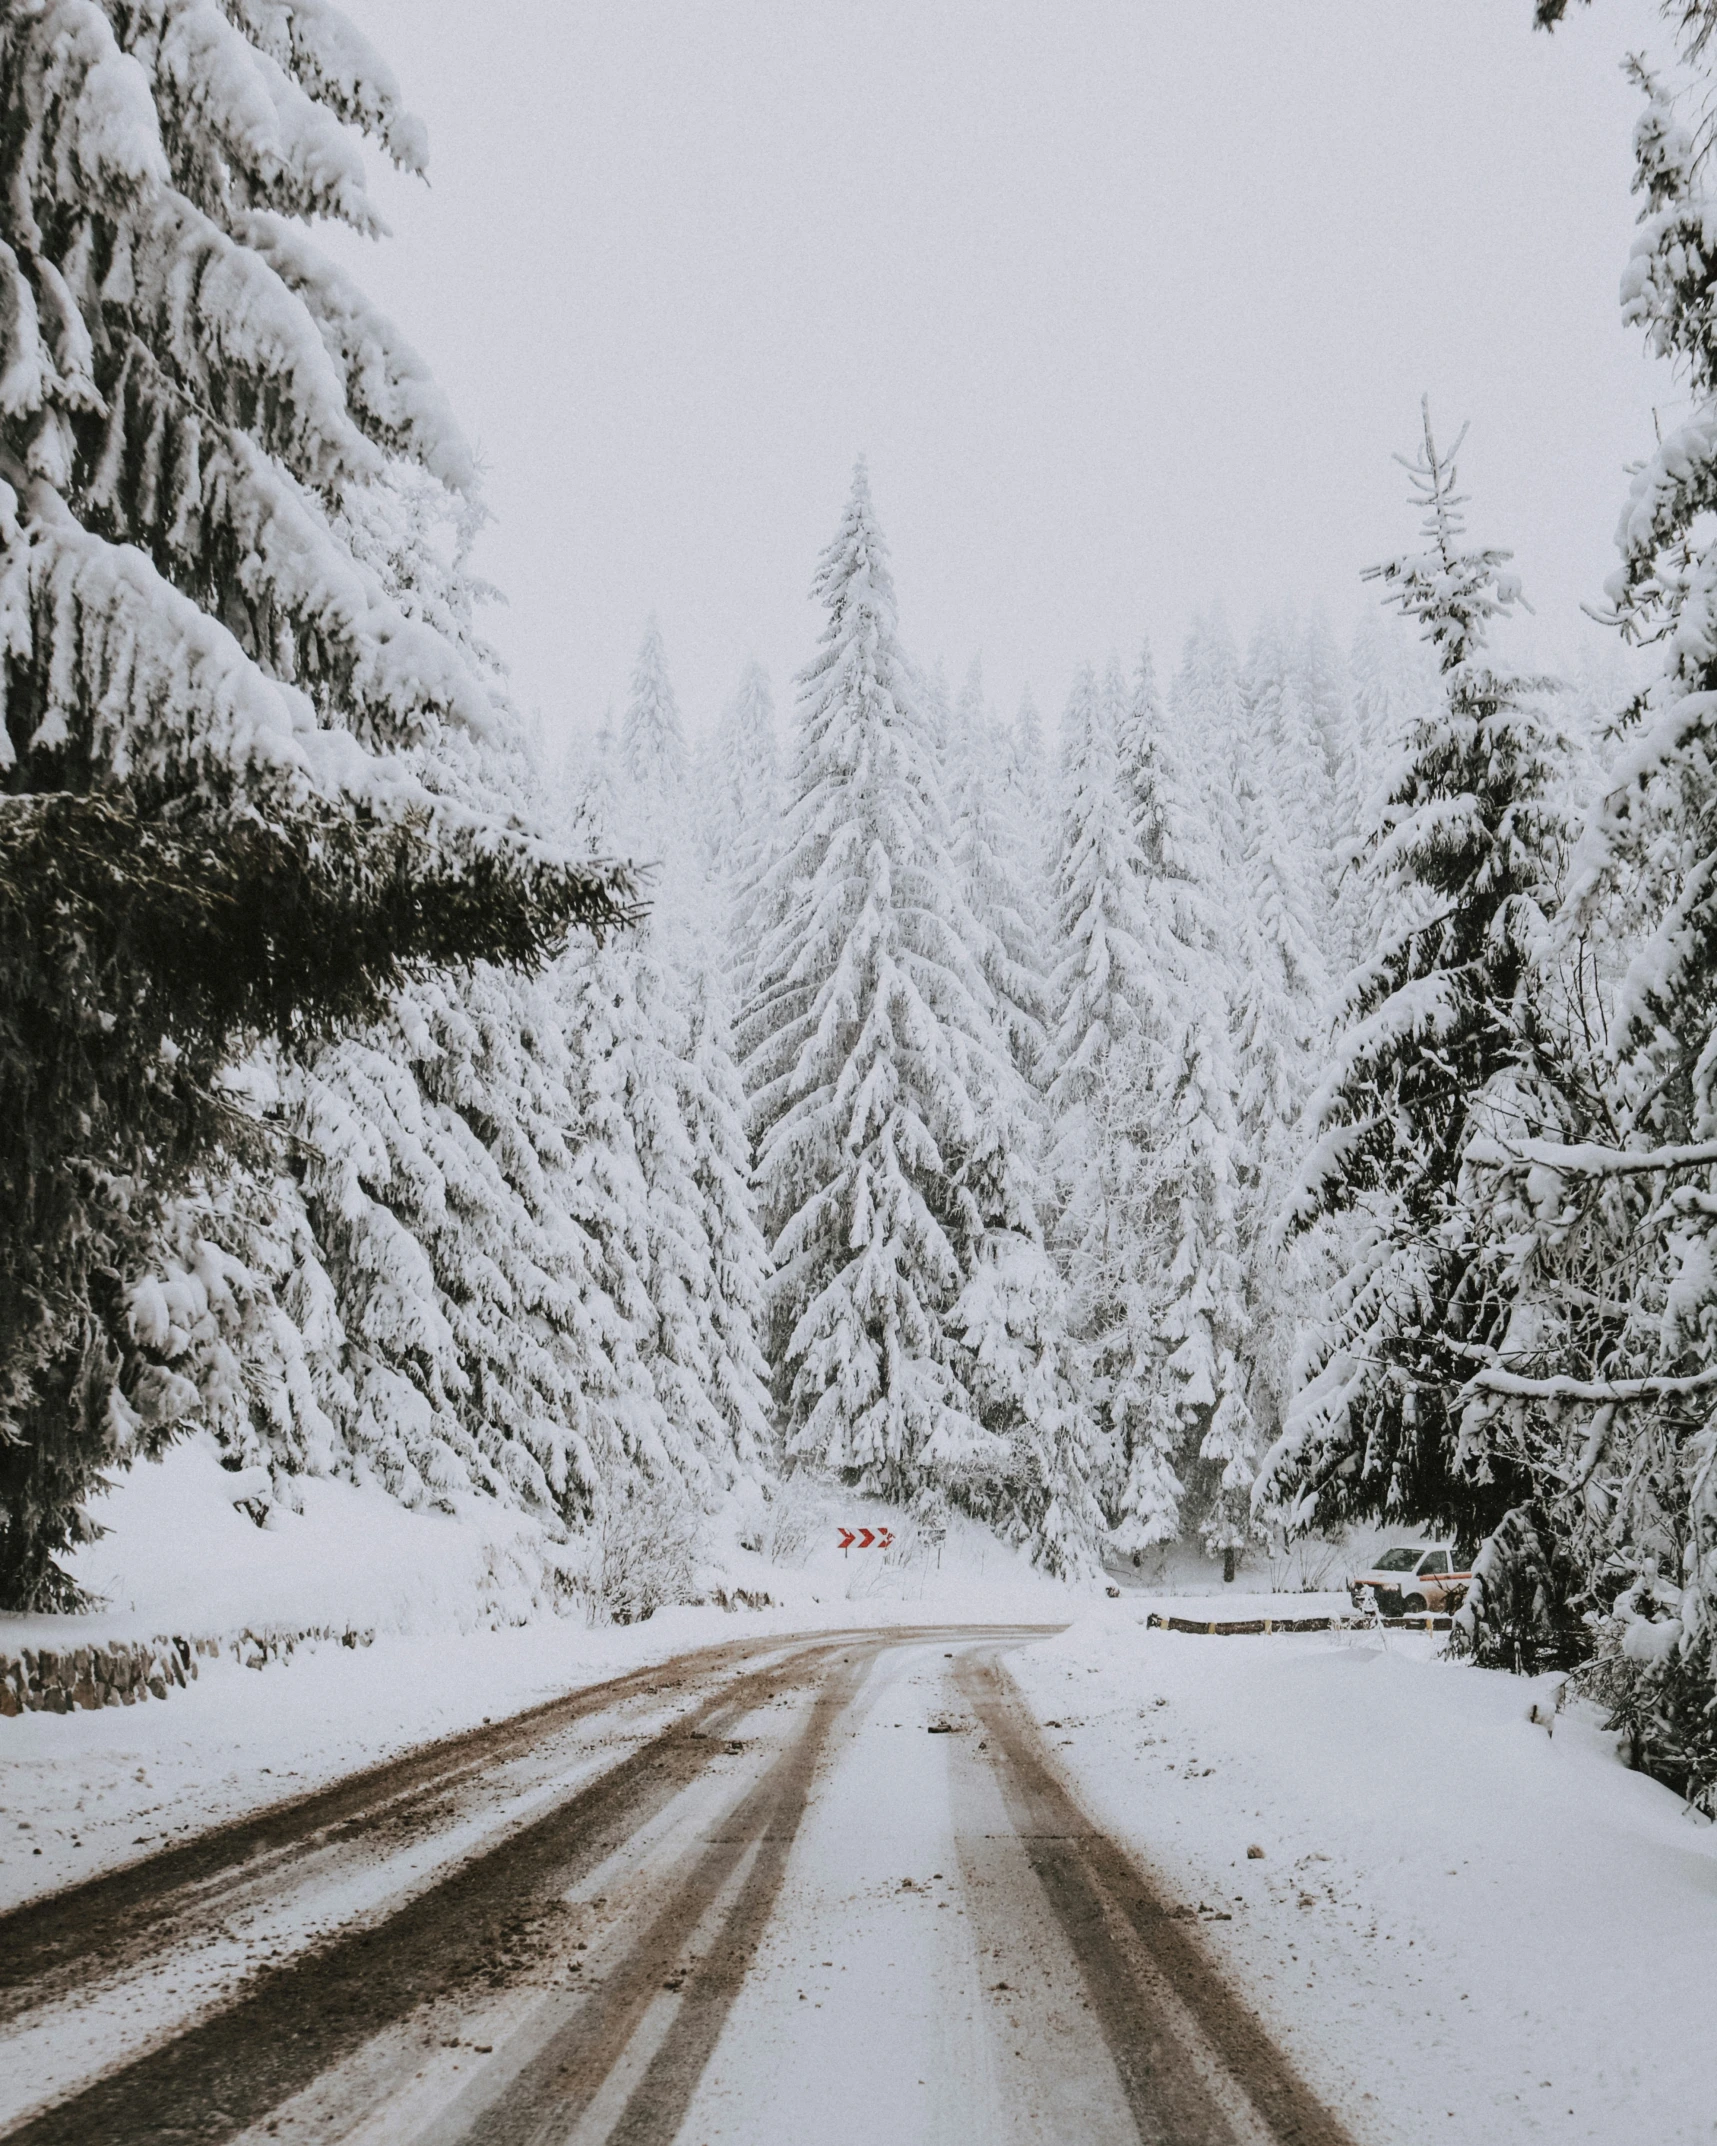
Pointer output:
x,y
1614,1391
1587,1158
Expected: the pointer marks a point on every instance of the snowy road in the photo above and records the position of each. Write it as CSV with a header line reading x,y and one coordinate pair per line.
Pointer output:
x,y
830,1888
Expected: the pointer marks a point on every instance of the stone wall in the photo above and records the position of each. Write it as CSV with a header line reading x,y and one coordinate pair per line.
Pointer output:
x,y
118,1672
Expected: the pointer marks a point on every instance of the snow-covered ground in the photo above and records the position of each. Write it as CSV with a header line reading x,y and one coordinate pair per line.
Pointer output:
x,y
179,1555
1462,1923
81,1792
1459,1916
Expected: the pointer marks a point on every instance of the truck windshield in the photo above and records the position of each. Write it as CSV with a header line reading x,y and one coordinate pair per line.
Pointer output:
x,y
1399,1560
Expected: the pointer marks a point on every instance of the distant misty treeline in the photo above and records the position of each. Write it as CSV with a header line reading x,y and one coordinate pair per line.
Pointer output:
x,y
1027,1024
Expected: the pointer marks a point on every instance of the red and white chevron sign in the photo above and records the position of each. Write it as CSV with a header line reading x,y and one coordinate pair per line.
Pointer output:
x,y
864,1539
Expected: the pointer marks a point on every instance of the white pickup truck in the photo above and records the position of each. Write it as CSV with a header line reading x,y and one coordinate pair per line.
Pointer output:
x,y
1414,1577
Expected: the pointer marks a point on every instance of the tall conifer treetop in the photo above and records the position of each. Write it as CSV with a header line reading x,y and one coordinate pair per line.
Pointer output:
x,y
867,1040
1437,1022
652,741
1466,835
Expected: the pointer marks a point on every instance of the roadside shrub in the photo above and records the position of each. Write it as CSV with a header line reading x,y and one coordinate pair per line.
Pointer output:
x,y
794,1510
645,1554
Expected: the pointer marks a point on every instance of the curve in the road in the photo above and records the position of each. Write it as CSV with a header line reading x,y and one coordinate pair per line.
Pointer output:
x,y
1194,2064
293,2022
124,1914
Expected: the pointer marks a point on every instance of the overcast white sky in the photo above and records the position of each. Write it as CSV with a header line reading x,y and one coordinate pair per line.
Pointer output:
x,y
1128,301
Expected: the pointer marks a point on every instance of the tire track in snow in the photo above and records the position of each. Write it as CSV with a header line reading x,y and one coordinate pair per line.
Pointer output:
x,y
123,1917
291,2023
550,2094
1196,2066
622,2058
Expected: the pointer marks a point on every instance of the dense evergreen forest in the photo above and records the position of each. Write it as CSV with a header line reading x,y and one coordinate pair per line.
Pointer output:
x,y
1279,1090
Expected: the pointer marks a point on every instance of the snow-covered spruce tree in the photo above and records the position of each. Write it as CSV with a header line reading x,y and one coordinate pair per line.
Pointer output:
x,y
652,738
1109,1056
1023,1373
451,1316
1279,998
969,734
1319,678
1281,981
197,843
937,721
1285,755
1206,706
1012,1352
1030,754
476,1345
744,778
713,1100
1187,816
1605,1383
996,874
656,1070
615,1054
1441,1034
1031,784
744,821
663,1084
1393,683
707,1258
867,1054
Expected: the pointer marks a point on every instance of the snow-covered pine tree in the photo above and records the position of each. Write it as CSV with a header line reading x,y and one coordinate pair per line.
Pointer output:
x,y
1320,682
1108,1062
1279,1005
1012,1351
667,1049
1023,1372
749,786
996,873
469,1340
867,1044
1030,755
745,776
1601,1383
1189,842
198,844
614,1053
1206,707
970,735
457,1325
1393,683
936,717
1102,985
1280,978
713,1101
1441,1034
1031,778
652,738
1286,756
658,1071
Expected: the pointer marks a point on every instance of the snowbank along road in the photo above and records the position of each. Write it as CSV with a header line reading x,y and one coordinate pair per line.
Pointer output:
x,y
827,1888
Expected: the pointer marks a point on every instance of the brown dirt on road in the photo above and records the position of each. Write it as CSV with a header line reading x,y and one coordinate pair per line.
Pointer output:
x,y
128,1914
1195,2065
552,2091
1132,1948
291,2023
